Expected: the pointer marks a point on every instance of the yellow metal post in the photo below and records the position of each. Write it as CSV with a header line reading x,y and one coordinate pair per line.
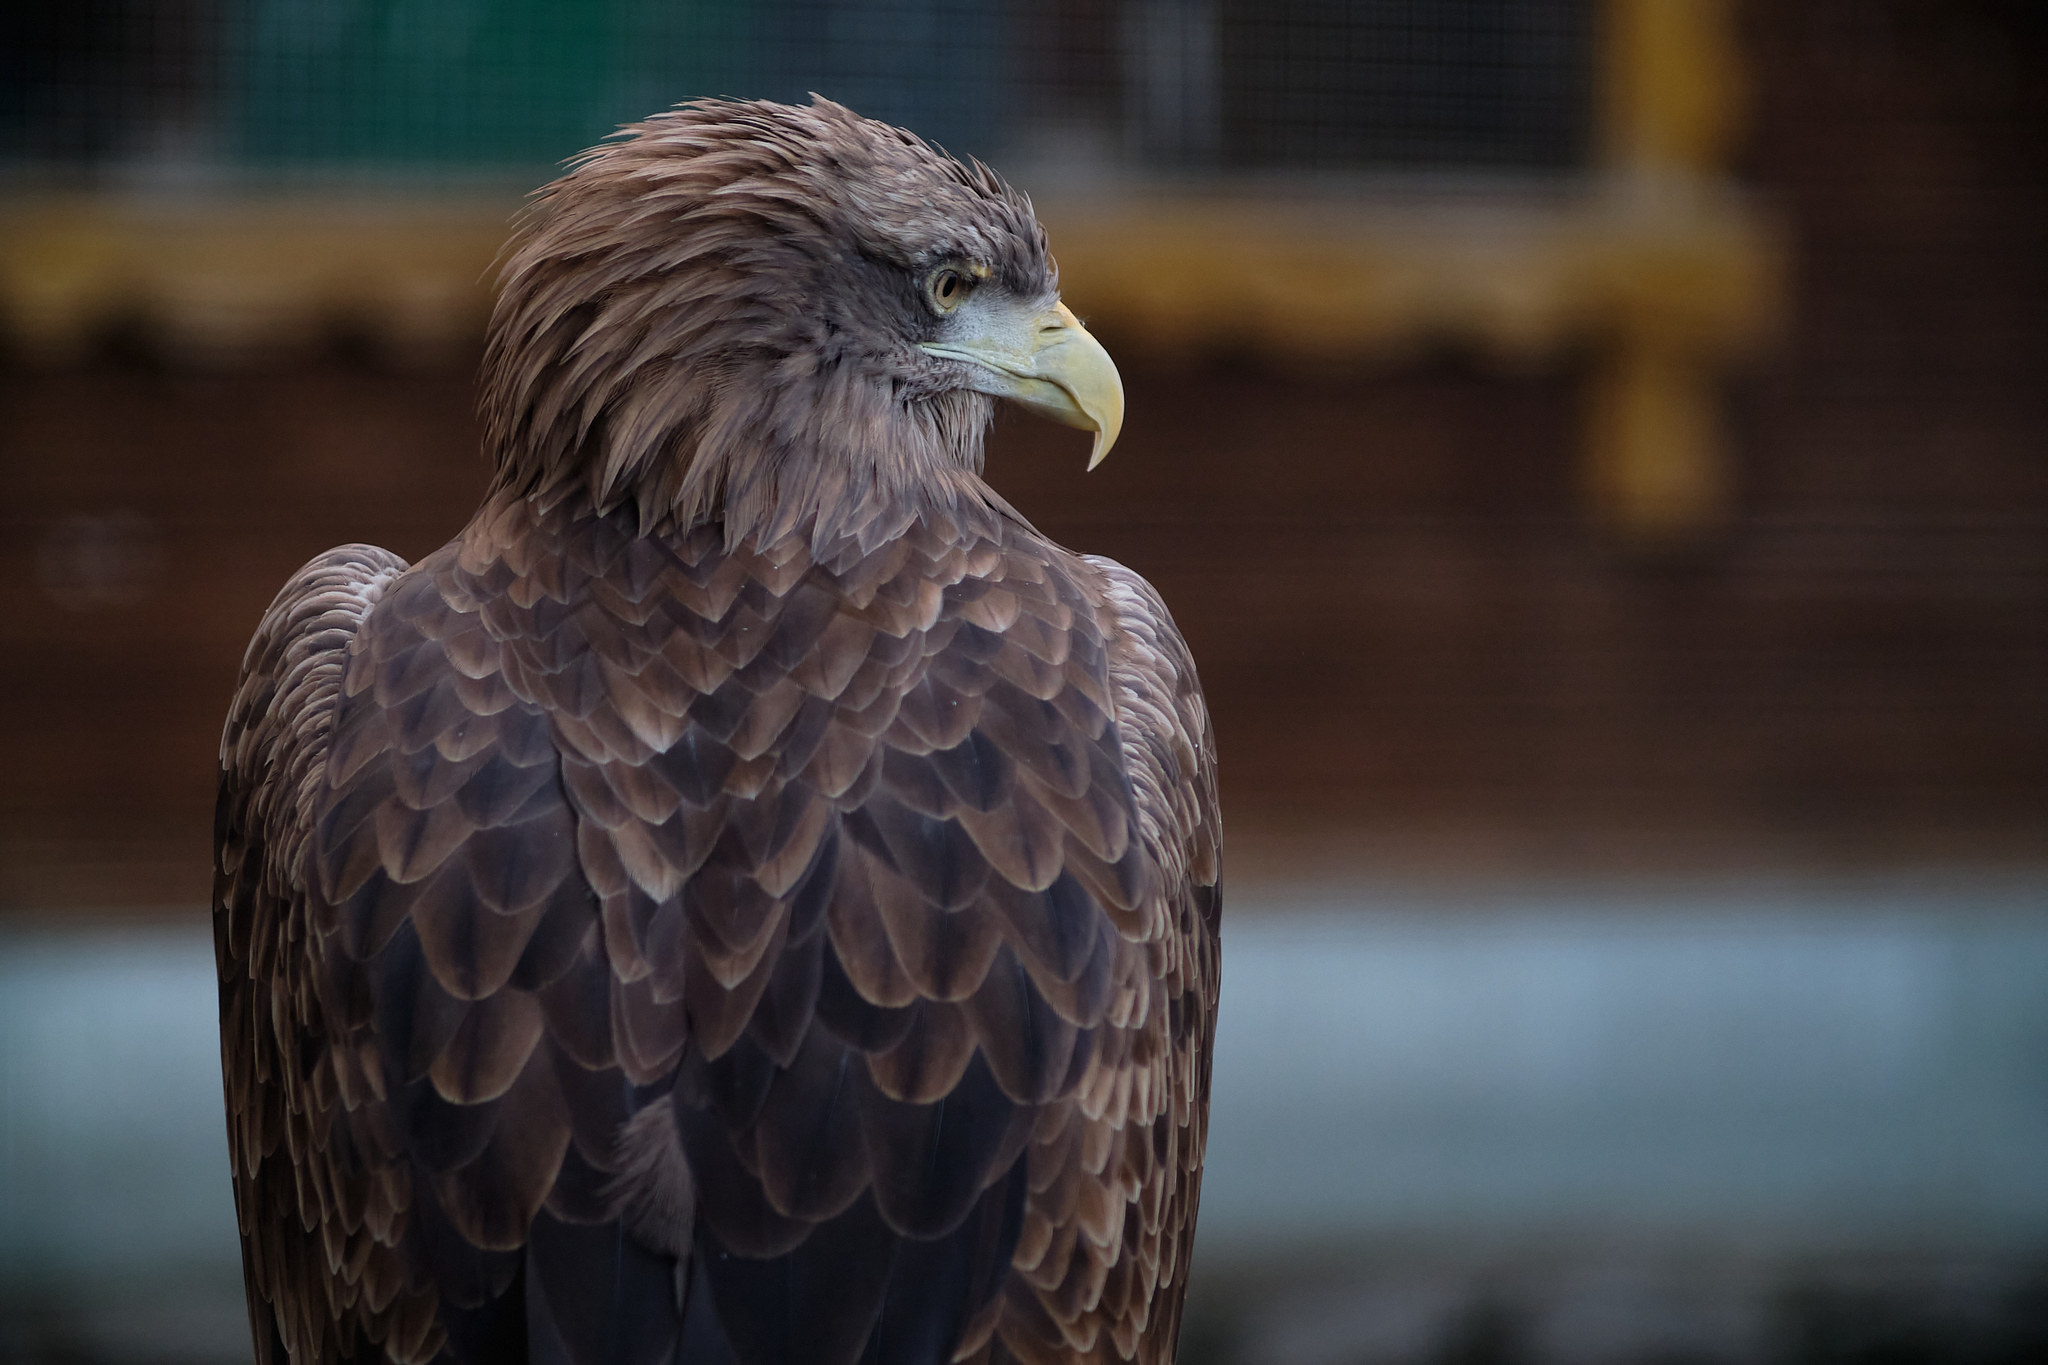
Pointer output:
x,y
1658,472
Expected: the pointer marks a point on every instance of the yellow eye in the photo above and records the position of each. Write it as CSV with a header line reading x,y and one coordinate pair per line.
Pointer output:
x,y
946,288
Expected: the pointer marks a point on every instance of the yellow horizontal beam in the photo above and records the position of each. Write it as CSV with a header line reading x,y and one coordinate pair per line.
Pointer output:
x,y
232,281
1524,274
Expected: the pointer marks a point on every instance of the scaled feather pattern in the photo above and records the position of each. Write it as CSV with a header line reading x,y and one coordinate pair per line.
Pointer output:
x,y
749,898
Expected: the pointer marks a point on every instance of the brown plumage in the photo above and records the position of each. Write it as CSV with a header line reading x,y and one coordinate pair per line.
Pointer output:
x,y
749,897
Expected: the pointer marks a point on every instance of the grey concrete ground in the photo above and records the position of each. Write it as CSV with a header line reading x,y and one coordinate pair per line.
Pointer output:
x,y
1740,1121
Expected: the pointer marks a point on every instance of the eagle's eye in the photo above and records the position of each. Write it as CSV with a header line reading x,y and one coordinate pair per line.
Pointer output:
x,y
946,287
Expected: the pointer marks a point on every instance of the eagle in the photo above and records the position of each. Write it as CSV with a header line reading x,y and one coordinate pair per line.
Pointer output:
x,y
749,898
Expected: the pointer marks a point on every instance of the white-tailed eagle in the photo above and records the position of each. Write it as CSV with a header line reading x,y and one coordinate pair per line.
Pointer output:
x,y
749,897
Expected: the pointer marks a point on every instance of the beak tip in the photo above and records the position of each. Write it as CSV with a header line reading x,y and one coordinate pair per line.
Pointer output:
x,y
1105,435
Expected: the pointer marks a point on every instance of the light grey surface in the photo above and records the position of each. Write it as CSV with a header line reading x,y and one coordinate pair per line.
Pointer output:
x,y
113,1146
1791,1071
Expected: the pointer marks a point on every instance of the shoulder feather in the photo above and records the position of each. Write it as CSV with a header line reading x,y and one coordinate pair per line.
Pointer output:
x,y
1168,740
278,725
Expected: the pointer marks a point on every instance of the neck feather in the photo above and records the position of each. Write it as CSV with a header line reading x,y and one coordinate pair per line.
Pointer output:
x,y
727,432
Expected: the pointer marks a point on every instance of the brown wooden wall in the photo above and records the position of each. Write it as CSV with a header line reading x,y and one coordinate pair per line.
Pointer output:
x,y
1410,636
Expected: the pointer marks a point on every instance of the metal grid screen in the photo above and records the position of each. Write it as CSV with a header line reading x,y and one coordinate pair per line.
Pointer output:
x,y
190,89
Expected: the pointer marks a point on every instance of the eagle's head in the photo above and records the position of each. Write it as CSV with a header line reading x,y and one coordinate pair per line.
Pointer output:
x,y
767,315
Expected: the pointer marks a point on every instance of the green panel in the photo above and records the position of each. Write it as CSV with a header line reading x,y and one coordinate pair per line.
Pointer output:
x,y
427,83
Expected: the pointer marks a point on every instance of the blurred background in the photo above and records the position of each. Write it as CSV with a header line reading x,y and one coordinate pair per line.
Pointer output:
x,y
1598,452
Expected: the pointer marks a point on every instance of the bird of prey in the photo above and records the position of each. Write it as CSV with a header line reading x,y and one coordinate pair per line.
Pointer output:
x,y
750,898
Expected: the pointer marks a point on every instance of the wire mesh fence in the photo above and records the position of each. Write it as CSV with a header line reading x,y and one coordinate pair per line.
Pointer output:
x,y
181,90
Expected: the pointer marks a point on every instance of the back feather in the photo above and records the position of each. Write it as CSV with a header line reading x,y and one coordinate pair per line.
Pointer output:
x,y
634,950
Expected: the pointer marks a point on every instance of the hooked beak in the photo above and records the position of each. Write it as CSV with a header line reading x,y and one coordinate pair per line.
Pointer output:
x,y
1051,366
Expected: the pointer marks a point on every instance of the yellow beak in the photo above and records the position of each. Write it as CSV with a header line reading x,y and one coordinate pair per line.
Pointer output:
x,y
1049,364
